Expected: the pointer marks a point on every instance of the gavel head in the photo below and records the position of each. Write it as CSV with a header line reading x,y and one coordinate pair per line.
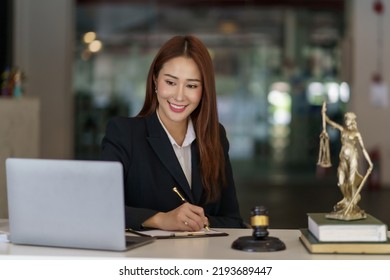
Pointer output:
x,y
259,222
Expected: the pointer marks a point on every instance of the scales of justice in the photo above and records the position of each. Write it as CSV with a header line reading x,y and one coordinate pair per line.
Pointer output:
x,y
350,181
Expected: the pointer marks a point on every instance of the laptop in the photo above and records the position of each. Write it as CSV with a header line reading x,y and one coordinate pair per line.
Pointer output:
x,y
68,203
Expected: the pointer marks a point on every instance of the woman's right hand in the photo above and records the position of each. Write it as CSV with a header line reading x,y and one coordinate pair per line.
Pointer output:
x,y
186,217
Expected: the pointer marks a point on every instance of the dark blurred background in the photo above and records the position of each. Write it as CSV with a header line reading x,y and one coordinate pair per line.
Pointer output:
x,y
275,63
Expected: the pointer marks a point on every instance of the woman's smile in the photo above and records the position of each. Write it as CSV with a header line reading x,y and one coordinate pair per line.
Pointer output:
x,y
177,108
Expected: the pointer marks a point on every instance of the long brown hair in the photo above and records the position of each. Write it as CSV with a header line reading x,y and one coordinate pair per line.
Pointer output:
x,y
204,117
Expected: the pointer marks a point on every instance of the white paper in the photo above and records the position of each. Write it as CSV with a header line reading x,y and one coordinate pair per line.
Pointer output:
x,y
165,233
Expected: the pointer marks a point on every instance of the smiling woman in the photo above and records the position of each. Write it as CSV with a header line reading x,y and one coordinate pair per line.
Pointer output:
x,y
179,91
176,141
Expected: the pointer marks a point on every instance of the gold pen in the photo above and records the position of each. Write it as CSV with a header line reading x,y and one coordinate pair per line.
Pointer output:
x,y
184,201
179,194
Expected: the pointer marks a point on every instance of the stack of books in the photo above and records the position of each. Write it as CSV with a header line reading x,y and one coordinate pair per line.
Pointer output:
x,y
366,236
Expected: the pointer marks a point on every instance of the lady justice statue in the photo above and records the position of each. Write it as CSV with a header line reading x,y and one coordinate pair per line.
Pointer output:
x,y
349,179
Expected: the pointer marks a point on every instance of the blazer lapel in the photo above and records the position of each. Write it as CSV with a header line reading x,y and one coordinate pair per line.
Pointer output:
x,y
161,145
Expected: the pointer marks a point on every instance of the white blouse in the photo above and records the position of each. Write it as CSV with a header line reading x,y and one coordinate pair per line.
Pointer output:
x,y
183,152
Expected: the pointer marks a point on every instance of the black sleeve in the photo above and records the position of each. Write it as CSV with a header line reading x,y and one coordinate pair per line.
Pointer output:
x,y
117,146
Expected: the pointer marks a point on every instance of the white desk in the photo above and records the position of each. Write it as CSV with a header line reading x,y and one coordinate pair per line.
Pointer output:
x,y
191,248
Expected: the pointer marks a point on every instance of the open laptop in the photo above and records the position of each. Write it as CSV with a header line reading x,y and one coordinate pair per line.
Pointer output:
x,y
68,203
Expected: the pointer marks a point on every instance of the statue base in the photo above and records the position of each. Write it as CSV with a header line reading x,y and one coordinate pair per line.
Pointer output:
x,y
346,217
250,244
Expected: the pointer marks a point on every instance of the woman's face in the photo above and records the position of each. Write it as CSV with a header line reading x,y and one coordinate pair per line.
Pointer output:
x,y
179,90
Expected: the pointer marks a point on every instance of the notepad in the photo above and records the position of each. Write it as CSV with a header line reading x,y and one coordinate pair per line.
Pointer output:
x,y
161,234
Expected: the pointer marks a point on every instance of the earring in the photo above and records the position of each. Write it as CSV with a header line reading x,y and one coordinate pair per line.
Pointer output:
x,y
155,90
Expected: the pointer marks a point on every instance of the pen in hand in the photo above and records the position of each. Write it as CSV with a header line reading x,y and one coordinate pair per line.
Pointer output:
x,y
184,201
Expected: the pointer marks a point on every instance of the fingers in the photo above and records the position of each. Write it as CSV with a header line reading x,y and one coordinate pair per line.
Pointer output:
x,y
186,217
192,217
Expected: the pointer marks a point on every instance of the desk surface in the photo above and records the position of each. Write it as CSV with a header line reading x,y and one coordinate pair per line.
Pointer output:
x,y
191,248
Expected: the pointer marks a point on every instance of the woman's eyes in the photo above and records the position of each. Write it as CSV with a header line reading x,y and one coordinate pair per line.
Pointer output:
x,y
191,86
170,83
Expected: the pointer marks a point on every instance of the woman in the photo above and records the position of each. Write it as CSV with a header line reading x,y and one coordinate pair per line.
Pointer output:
x,y
176,141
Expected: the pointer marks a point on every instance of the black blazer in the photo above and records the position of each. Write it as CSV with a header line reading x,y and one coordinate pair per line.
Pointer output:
x,y
151,170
